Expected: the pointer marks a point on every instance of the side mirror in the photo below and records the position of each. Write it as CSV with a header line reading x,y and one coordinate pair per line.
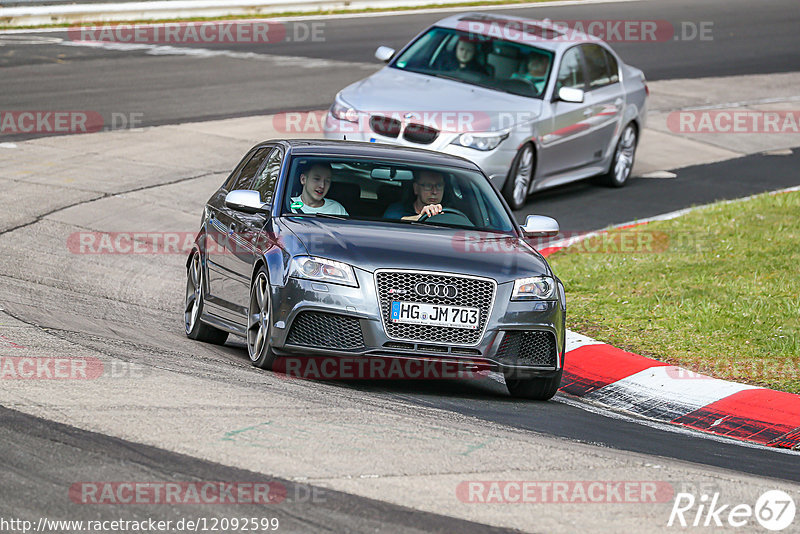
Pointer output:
x,y
246,201
384,53
540,226
570,94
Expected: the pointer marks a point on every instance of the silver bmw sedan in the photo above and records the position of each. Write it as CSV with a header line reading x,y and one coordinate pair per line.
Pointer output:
x,y
534,104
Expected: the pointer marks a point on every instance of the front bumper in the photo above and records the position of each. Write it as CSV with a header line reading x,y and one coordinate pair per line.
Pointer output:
x,y
345,321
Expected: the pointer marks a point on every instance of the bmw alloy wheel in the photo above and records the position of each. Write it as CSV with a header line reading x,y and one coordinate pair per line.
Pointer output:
x,y
623,158
518,183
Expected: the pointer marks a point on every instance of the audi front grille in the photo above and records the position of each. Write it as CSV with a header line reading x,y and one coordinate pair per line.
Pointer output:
x,y
473,292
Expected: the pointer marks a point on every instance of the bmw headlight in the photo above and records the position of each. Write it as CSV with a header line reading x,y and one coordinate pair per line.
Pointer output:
x,y
343,111
323,270
534,288
480,141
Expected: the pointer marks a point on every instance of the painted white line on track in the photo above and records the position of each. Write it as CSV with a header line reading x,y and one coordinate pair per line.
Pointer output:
x,y
575,340
166,50
677,213
421,11
779,152
592,407
737,104
659,175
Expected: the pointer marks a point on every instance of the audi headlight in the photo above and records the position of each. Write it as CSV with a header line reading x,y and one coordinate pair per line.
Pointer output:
x,y
480,141
343,111
534,288
323,270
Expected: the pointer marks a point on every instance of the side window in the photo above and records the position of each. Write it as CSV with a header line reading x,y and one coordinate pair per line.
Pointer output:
x,y
570,73
266,181
600,71
237,171
245,177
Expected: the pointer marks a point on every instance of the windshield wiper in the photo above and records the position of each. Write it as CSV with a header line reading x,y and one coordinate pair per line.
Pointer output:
x,y
435,74
321,215
429,224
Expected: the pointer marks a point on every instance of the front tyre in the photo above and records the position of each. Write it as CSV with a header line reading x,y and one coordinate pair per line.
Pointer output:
x,y
259,321
541,388
624,154
518,182
193,306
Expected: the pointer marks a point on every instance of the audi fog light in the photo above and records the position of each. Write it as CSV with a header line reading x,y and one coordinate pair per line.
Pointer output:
x,y
323,270
534,288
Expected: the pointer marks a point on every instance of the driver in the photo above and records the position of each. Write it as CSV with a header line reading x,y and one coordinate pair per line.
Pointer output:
x,y
428,192
536,71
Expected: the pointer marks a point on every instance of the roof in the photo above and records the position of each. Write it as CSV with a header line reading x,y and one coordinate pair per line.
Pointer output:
x,y
374,150
540,33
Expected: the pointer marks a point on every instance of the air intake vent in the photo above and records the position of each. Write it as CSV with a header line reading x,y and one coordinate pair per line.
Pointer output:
x,y
535,348
325,330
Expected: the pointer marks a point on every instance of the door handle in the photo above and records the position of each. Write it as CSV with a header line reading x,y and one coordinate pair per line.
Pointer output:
x,y
587,112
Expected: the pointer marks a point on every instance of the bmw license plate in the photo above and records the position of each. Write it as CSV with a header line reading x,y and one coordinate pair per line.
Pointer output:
x,y
434,315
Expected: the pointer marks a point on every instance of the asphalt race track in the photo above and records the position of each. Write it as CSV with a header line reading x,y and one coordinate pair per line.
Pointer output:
x,y
168,89
382,456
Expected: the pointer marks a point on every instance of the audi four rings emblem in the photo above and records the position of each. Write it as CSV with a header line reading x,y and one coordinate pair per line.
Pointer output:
x,y
431,289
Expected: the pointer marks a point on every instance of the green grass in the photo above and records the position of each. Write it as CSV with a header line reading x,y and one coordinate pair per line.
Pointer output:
x,y
270,16
716,291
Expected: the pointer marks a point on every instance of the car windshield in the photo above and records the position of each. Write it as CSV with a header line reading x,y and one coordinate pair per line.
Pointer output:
x,y
389,191
478,60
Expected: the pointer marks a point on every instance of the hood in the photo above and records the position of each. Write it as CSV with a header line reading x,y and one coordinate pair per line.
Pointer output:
x,y
371,245
447,104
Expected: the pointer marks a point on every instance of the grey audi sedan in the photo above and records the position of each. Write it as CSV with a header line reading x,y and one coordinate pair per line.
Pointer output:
x,y
533,103
353,250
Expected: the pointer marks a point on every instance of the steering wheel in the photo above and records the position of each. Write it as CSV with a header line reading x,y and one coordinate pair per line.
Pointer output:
x,y
456,217
530,83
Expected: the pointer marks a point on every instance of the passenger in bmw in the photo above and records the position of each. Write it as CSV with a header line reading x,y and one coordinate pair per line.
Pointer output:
x,y
428,193
316,182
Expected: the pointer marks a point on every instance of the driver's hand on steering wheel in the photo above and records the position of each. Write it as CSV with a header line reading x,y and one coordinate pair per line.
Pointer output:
x,y
430,210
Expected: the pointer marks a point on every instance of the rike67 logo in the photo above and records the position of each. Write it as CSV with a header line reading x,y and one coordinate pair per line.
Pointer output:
x,y
774,510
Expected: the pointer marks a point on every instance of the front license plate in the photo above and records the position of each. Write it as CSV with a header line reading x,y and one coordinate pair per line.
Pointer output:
x,y
434,314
